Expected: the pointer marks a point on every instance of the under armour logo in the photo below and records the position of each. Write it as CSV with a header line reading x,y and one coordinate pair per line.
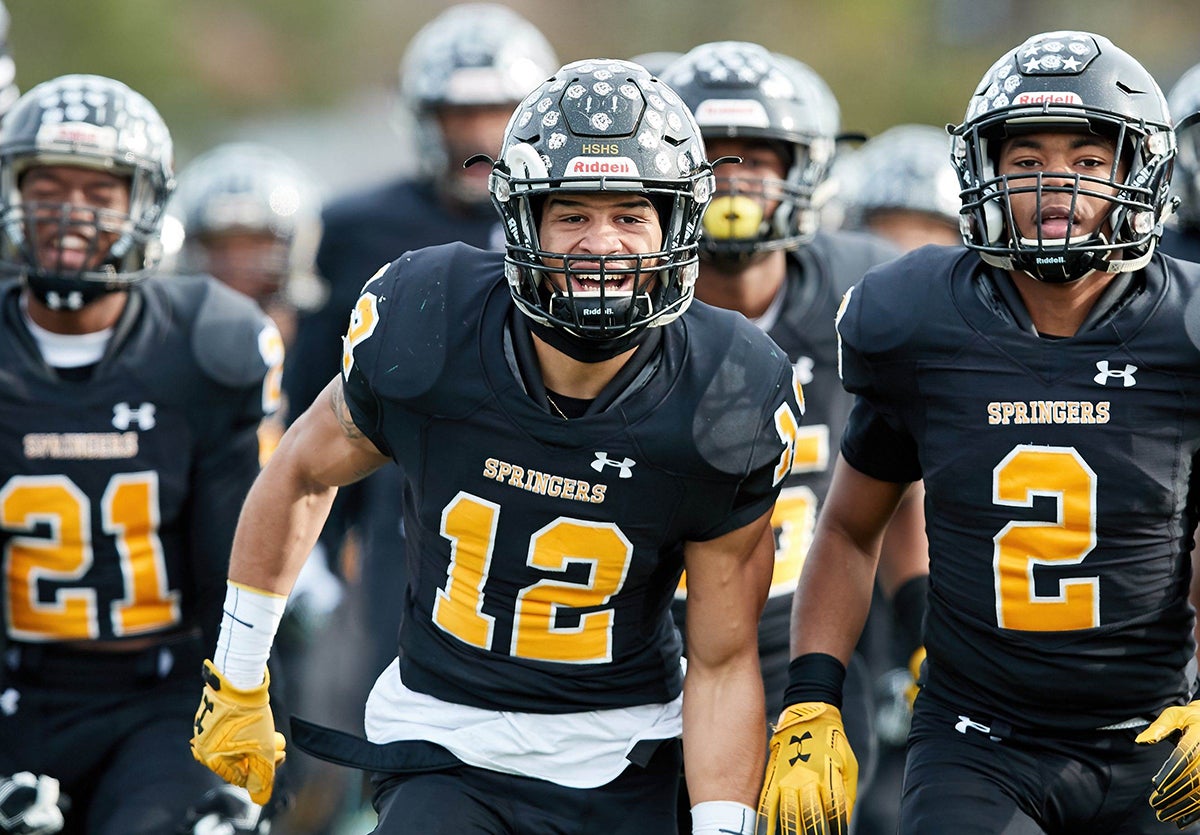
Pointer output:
x,y
124,415
965,724
1125,375
8,702
799,741
602,461
205,707
71,301
803,368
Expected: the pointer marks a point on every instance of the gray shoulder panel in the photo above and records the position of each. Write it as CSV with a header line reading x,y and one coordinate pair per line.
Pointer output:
x,y
226,336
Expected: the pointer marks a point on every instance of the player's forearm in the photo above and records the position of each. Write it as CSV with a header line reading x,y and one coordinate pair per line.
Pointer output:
x,y
279,525
834,595
905,552
724,739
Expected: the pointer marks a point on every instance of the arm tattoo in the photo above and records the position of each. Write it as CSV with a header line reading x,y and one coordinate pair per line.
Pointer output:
x,y
342,412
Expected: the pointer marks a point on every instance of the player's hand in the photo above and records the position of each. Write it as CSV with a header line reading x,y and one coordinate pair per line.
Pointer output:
x,y
235,734
915,664
1176,794
812,775
30,805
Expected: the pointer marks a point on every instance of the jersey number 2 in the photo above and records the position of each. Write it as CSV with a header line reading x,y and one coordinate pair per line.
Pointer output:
x,y
1020,547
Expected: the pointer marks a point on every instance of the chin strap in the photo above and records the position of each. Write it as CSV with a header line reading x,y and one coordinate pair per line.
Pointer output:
x,y
585,350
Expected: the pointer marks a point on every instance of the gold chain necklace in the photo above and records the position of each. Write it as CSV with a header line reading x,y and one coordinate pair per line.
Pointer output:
x,y
554,406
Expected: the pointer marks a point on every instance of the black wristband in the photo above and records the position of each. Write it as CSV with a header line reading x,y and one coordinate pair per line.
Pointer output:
x,y
815,677
909,604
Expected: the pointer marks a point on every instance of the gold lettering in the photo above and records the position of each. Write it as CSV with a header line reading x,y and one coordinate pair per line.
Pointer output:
x,y
993,413
534,481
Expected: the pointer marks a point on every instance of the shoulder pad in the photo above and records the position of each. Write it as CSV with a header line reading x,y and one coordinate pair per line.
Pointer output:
x,y
741,372
233,341
427,304
893,299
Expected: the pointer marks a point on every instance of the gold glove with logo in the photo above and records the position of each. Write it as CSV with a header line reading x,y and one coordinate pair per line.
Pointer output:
x,y
235,734
812,775
1176,795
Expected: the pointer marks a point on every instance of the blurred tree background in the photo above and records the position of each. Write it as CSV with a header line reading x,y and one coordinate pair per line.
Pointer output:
x,y
316,77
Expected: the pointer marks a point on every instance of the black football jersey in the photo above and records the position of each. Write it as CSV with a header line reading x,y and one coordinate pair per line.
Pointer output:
x,y
119,494
543,553
1058,484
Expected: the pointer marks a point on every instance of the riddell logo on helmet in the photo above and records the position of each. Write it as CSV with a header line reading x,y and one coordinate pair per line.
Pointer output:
x,y
1047,98
612,166
77,135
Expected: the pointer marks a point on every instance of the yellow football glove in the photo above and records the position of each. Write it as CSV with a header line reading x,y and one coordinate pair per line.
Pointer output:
x,y
1176,795
812,775
235,734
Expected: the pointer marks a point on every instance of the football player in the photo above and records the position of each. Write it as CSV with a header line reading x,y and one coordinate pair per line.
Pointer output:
x,y
1040,382
763,256
251,218
129,406
1182,239
900,186
570,438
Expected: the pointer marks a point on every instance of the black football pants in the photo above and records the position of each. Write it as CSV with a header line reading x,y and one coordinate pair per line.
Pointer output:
x,y
959,780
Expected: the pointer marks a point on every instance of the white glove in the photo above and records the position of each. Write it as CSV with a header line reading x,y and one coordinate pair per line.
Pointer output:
x,y
29,805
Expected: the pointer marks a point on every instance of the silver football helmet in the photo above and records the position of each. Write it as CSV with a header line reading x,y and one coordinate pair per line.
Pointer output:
x,y
91,122
742,90
595,126
471,55
1184,103
244,187
907,168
